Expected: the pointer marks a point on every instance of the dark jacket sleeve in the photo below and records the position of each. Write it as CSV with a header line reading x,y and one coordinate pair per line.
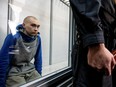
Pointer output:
x,y
86,13
38,57
4,59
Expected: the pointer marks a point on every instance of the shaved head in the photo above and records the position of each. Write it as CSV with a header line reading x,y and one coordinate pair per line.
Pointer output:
x,y
28,19
31,26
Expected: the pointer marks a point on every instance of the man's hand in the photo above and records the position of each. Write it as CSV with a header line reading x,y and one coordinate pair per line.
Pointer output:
x,y
114,54
100,57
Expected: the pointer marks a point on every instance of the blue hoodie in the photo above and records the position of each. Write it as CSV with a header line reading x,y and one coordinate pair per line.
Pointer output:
x,y
5,57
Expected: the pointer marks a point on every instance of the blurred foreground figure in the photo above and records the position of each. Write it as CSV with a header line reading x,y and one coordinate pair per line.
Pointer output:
x,y
96,38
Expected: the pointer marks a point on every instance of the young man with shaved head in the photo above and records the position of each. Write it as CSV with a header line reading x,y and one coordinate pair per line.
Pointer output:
x,y
17,52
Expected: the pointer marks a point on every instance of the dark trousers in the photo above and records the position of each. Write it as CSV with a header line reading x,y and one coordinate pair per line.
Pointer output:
x,y
86,76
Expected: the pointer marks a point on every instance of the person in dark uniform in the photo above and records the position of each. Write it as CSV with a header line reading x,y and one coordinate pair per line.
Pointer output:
x,y
92,59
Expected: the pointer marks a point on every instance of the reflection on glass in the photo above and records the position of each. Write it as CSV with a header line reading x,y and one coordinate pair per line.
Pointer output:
x,y
13,23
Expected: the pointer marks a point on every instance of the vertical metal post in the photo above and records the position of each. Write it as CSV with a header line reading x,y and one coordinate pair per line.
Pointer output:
x,y
51,32
70,37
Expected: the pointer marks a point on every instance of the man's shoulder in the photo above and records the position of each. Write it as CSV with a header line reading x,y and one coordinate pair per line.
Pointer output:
x,y
39,36
15,35
12,38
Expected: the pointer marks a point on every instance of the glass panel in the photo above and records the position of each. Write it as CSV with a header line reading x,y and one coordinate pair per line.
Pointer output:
x,y
60,43
54,30
3,20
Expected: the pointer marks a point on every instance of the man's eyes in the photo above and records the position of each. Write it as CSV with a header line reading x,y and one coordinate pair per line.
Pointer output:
x,y
34,25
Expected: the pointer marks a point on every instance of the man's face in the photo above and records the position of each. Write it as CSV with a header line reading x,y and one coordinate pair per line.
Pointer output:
x,y
31,27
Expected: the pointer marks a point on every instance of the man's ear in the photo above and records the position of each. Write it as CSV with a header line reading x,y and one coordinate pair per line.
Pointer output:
x,y
23,25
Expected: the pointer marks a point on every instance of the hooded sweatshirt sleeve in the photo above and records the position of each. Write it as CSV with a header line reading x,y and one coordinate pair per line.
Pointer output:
x,y
38,57
86,13
4,59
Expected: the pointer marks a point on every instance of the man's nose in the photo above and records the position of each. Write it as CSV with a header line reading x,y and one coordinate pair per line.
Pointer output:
x,y
36,28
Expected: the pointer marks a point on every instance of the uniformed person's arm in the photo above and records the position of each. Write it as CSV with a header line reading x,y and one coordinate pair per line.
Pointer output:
x,y
87,13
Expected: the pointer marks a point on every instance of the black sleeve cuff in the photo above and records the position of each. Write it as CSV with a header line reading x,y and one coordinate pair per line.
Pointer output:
x,y
94,38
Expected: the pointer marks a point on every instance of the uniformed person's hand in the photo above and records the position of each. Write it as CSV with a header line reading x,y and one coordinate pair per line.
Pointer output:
x,y
101,58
